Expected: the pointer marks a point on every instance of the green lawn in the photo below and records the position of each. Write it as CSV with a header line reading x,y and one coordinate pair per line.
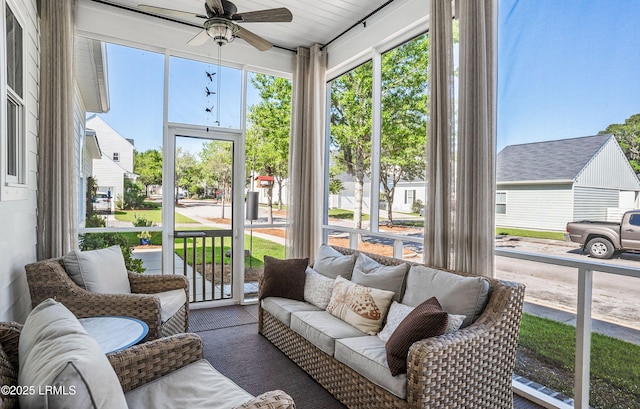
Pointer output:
x,y
615,364
154,215
553,235
345,214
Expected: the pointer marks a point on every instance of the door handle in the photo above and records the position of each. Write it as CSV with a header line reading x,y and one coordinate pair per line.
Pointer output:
x,y
629,230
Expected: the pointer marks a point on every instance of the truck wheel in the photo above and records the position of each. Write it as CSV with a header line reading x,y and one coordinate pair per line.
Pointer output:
x,y
600,248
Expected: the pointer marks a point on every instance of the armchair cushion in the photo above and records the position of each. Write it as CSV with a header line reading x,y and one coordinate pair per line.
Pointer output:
x,y
171,302
100,271
55,351
197,385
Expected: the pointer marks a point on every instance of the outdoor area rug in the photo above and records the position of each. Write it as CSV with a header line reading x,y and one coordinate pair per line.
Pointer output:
x,y
220,317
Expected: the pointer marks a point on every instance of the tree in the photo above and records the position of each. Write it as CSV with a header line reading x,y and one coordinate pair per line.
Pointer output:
x,y
350,130
186,171
148,166
628,136
268,133
404,122
217,166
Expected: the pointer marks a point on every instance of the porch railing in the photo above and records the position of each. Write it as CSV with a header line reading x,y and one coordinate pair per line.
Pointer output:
x,y
210,279
585,270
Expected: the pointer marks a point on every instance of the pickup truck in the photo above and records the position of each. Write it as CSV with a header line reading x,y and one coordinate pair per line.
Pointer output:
x,y
604,239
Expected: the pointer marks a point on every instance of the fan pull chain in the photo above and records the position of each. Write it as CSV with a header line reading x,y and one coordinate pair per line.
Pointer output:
x,y
219,84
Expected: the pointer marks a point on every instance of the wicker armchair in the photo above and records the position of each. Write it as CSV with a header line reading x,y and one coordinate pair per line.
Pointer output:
x,y
137,365
48,279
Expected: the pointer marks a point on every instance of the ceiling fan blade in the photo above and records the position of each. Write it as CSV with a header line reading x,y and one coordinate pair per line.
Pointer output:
x,y
169,12
253,39
199,38
216,5
279,15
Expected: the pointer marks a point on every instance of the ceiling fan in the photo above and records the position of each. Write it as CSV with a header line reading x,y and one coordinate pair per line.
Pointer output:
x,y
220,22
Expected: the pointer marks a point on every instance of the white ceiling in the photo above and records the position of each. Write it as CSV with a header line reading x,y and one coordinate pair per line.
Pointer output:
x,y
314,22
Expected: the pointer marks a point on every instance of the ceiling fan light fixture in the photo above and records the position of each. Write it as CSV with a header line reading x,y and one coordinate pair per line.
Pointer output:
x,y
221,30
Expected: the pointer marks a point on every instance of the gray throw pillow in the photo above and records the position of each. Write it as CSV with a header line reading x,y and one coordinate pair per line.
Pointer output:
x,y
331,263
370,273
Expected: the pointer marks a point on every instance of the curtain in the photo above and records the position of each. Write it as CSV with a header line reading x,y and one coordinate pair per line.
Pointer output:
x,y
475,174
57,185
306,167
437,239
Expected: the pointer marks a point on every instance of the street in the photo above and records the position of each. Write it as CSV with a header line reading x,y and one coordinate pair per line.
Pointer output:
x,y
615,298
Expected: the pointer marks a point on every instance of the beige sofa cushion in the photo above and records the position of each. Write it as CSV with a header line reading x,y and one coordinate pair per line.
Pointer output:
x,y
195,386
368,357
322,329
370,273
281,308
54,350
363,307
456,294
100,271
332,263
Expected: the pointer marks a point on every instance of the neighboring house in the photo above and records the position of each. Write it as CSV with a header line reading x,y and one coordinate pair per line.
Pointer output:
x,y
116,162
92,95
544,185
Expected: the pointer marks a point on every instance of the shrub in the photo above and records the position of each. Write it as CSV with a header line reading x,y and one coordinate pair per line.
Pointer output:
x,y
417,206
94,241
95,220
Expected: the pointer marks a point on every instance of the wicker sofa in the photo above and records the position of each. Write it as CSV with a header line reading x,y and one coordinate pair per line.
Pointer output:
x,y
468,368
49,279
168,372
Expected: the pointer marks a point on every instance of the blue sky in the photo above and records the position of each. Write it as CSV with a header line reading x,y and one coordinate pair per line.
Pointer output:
x,y
567,68
136,82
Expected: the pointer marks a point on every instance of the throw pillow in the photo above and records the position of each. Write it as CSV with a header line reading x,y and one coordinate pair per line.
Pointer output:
x,y
362,307
457,294
331,263
8,376
318,288
370,273
425,321
398,312
56,352
99,271
284,278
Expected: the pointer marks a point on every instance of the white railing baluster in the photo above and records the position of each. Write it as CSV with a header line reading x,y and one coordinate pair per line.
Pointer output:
x,y
398,247
583,338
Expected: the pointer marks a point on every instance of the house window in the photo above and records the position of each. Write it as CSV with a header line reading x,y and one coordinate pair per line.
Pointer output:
x,y
116,157
15,134
409,196
501,202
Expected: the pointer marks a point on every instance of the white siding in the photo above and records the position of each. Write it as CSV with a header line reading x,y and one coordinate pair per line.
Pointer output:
x,y
609,168
79,113
591,203
18,211
537,207
110,174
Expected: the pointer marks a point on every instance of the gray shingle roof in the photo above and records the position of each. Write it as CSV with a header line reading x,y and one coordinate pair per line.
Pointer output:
x,y
551,160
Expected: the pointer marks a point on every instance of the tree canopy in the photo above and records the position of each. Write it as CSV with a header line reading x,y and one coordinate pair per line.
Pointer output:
x,y
268,130
628,136
148,166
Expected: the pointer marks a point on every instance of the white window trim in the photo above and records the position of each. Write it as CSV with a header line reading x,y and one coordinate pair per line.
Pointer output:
x,y
115,156
13,187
